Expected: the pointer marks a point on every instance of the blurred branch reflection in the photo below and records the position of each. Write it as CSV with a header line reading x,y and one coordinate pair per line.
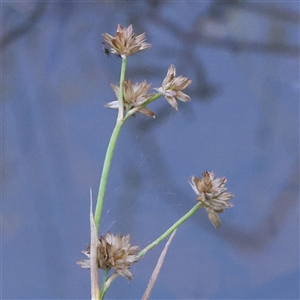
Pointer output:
x,y
270,226
208,28
24,27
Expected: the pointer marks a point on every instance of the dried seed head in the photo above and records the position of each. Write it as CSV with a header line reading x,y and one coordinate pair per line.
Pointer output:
x,y
212,193
172,87
125,43
114,252
134,97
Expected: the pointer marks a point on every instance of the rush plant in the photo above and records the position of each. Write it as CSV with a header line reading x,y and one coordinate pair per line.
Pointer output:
x,y
111,253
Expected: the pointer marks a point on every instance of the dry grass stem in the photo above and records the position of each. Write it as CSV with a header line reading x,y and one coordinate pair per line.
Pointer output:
x,y
95,291
158,267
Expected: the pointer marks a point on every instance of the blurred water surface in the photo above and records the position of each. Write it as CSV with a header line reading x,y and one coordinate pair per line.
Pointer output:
x,y
242,123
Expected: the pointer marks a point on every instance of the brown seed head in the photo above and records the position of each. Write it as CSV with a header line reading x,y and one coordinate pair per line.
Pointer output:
x,y
134,97
114,252
172,87
212,193
125,43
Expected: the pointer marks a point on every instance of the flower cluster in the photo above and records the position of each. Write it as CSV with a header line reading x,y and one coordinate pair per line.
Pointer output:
x,y
172,87
125,43
212,193
114,252
134,97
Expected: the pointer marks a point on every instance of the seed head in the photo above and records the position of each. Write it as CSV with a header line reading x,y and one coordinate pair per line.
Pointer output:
x,y
134,97
172,87
212,193
125,43
114,252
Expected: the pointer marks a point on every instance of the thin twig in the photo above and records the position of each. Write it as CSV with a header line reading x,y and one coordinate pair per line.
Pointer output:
x,y
158,267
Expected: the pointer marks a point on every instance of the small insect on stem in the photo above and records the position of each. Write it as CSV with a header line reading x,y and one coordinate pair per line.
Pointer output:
x,y
108,51
105,49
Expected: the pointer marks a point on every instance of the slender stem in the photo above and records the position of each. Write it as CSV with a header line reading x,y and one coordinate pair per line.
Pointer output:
x,y
110,148
104,278
134,110
95,291
171,229
105,171
122,78
108,283
153,98
157,269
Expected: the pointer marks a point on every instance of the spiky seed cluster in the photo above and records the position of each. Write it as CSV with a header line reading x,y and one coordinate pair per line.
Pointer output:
x,y
134,97
114,252
212,193
172,87
125,43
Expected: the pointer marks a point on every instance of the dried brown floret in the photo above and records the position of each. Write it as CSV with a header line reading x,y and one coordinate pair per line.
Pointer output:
x,y
125,43
172,87
134,96
114,252
212,193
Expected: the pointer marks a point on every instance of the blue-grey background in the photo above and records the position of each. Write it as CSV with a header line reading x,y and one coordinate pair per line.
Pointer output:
x,y
242,123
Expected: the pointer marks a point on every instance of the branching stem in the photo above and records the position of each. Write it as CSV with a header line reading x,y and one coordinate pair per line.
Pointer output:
x,y
171,229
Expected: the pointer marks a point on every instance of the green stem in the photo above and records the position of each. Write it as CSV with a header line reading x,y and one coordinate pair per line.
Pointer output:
x,y
121,94
153,98
171,229
110,148
134,110
103,287
105,171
